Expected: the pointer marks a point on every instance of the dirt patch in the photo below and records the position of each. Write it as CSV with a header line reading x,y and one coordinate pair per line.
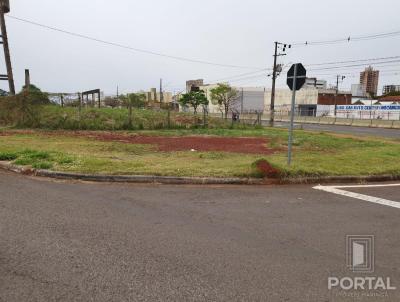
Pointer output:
x,y
247,145
266,170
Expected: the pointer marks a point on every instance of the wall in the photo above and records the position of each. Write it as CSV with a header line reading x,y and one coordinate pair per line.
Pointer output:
x,y
329,99
283,98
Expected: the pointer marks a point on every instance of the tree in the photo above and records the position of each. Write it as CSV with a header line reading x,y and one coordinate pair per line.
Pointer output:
x,y
194,99
137,100
111,102
225,96
35,96
123,99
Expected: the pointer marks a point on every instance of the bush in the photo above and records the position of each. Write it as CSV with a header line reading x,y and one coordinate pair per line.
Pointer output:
x,y
8,156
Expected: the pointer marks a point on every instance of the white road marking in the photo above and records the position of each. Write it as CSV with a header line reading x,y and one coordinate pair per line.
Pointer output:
x,y
381,201
369,186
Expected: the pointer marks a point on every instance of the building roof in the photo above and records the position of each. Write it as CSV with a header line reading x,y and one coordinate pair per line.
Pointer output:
x,y
393,99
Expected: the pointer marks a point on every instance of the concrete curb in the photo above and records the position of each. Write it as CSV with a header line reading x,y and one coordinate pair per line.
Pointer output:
x,y
195,180
133,178
339,179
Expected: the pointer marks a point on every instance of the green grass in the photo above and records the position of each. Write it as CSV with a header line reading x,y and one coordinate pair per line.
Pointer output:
x,y
315,154
7,156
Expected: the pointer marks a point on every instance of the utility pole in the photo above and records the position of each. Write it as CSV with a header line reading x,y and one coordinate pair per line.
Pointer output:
x,y
241,101
5,8
272,109
161,92
27,79
275,73
337,90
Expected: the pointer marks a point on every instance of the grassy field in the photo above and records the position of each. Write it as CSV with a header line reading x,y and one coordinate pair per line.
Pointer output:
x,y
315,154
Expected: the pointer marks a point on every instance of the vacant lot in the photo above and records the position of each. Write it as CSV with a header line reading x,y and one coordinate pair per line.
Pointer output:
x,y
200,152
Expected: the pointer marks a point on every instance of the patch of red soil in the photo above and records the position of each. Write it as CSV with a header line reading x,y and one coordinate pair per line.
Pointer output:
x,y
265,168
14,132
247,145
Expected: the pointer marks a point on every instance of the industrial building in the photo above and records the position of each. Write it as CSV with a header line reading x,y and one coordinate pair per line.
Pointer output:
x,y
249,99
153,96
307,100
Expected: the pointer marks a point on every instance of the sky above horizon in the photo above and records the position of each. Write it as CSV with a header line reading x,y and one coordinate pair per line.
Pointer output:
x,y
239,33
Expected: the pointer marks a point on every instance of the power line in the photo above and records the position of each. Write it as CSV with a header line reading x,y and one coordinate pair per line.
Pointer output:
x,y
149,52
354,65
350,39
241,75
354,61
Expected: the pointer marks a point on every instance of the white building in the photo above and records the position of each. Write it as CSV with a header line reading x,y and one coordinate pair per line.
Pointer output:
x,y
358,91
249,100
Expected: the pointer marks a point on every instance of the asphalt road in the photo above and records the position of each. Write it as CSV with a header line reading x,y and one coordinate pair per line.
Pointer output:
x,y
365,131
65,241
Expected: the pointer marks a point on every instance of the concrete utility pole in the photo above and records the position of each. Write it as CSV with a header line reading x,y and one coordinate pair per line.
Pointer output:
x,y
241,101
5,8
274,76
337,90
272,108
27,79
161,92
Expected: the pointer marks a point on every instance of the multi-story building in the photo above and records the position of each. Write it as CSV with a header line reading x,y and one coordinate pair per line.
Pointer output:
x,y
194,85
390,88
369,78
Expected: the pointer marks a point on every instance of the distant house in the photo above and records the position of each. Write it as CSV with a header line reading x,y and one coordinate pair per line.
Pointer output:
x,y
3,93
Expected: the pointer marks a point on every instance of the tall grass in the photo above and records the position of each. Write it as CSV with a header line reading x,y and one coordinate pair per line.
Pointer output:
x,y
16,112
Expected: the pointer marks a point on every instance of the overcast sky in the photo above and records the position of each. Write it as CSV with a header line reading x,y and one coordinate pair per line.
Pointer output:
x,y
233,32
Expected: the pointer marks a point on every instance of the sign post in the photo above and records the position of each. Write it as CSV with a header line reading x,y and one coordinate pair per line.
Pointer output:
x,y
295,80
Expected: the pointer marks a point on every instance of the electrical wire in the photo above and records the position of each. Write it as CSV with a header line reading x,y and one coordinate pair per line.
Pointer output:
x,y
349,39
149,52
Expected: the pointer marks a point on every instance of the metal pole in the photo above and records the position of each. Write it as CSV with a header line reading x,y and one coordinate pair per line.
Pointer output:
x,y
241,104
204,117
161,92
337,92
7,52
292,117
272,108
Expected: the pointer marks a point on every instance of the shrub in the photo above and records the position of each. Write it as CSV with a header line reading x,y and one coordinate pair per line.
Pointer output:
x,y
8,156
